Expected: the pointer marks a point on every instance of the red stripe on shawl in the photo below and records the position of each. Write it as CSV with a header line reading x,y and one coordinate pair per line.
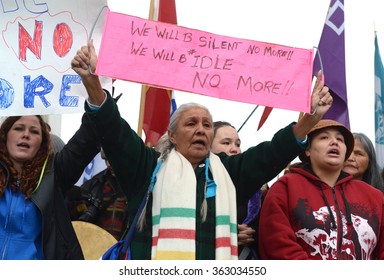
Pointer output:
x,y
226,242
155,239
223,242
177,233
234,251
173,233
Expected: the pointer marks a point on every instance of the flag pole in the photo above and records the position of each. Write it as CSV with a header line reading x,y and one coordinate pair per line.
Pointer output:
x,y
247,118
144,88
142,109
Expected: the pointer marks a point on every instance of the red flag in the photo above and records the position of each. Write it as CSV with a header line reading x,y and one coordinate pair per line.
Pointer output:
x,y
267,111
157,108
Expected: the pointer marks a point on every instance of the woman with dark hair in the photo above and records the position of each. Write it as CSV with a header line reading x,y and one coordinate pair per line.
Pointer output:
x,y
317,211
34,222
362,163
227,140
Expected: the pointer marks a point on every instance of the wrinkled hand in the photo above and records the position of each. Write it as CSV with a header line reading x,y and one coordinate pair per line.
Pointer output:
x,y
245,235
84,64
85,60
321,99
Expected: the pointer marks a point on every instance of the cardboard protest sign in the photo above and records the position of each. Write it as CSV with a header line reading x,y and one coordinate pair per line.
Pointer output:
x,y
180,58
39,40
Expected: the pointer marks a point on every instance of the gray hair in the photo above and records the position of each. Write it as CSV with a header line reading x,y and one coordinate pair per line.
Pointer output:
x,y
372,175
164,145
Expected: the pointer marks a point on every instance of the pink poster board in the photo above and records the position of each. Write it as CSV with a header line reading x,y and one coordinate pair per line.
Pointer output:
x,y
174,57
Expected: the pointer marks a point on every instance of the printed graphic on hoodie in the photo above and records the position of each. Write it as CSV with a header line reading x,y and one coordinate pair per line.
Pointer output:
x,y
321,237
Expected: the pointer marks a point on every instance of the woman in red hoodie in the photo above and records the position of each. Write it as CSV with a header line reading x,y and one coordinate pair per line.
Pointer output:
x,y
317,211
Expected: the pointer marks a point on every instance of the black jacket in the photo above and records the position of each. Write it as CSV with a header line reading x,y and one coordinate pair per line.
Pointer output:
x,y
62,172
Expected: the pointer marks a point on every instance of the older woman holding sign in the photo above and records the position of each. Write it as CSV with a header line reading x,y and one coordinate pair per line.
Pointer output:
x,y
191,211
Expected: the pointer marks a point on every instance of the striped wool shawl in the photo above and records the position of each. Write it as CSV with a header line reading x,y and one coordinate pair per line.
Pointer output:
x,y
174,213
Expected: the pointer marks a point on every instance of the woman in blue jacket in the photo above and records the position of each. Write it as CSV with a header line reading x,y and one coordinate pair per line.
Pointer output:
x,y
34,222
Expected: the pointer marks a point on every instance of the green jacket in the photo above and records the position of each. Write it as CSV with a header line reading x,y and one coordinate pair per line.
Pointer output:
x,y
133,164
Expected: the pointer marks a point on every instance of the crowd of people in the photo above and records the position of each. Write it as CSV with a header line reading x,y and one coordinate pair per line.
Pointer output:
x,y
204,197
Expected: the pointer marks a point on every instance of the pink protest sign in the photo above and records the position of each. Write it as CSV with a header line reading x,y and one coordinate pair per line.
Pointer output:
x,y
170,56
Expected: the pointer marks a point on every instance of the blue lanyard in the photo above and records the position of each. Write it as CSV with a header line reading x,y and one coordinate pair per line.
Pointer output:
x,y
154,174
211,185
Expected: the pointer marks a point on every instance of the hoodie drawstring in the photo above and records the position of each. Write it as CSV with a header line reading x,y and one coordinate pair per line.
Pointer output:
x,y
347,209
328,207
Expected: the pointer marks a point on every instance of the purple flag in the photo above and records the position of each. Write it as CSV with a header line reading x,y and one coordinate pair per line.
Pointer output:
x,y
332,59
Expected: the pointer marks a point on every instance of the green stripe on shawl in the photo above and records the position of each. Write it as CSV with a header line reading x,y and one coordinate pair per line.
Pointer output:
x,y
225,220
174,212
169,211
